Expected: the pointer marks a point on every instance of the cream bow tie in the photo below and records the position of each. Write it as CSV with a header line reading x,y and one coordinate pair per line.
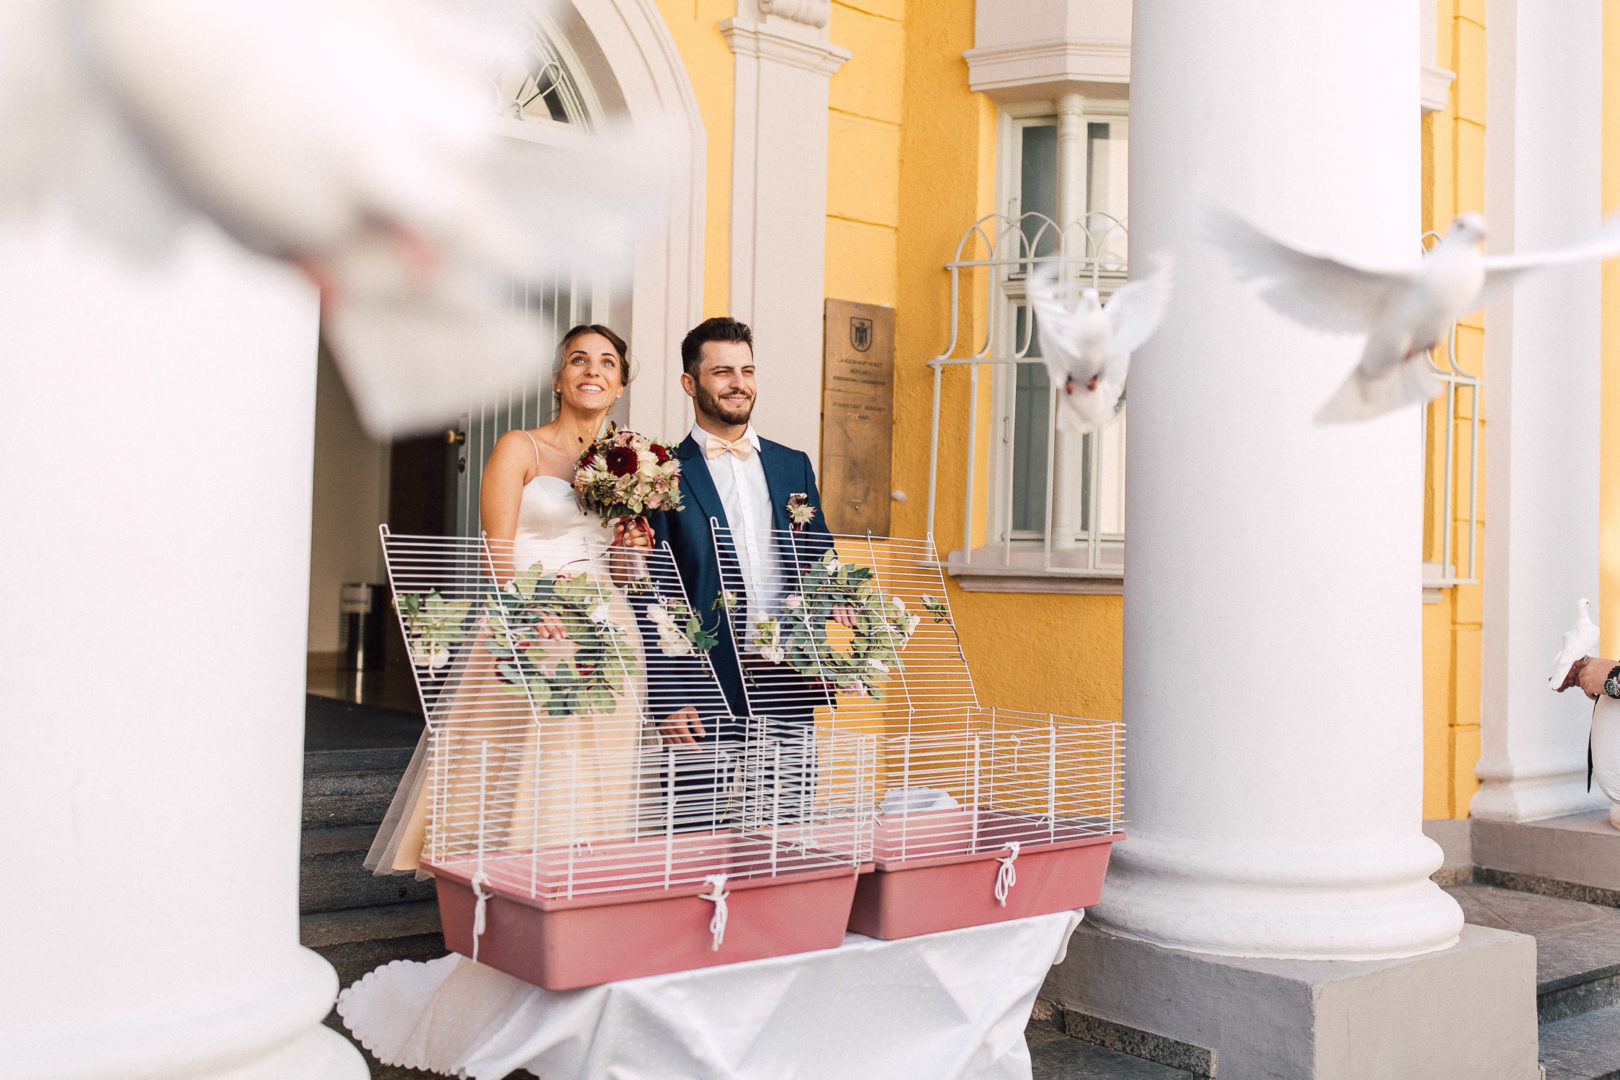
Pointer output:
x,y
742,449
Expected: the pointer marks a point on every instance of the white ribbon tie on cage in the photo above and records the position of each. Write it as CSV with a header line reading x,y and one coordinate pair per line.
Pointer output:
x,y
717,925
479,880
1006,877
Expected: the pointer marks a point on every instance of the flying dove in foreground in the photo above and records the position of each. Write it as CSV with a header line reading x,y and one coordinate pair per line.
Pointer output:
x,y
1088,348
354,139
1404,309
1581,639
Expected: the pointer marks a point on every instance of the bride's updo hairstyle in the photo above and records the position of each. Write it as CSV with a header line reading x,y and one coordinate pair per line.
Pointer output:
x,y
626,370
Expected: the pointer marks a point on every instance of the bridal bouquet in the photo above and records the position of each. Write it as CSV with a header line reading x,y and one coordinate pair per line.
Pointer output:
x,y
623,475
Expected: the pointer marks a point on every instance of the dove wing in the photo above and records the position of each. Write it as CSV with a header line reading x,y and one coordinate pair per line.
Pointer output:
x,y
1053,322
1136,309
1320,290
1503,271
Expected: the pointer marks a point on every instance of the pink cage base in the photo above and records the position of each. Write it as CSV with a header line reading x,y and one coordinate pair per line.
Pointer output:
x,y
638,926
937,871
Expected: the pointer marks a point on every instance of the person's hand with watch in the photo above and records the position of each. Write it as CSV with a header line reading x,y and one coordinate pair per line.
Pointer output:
x,y
1595,676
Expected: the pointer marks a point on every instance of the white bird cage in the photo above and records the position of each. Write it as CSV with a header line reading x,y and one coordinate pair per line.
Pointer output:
x,y
570,845
969,799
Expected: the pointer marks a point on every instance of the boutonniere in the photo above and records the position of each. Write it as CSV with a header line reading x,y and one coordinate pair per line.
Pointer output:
x,y
799,510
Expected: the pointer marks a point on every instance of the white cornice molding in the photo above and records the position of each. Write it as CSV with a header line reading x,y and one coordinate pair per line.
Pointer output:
x,y
810,12
1044,63
764,43
1435,92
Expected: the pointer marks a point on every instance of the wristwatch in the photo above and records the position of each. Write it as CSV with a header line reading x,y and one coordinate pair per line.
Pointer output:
x,y
1611,685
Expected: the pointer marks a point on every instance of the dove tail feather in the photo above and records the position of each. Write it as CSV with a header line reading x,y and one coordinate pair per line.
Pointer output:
x,y
1363,397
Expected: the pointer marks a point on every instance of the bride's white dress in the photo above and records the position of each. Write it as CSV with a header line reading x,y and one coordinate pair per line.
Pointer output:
x,y
563,780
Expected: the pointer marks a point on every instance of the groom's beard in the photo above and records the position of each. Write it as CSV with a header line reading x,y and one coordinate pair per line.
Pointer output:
x,y
735,411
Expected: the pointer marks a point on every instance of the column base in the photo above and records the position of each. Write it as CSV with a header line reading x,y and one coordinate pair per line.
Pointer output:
x,y
1576,857
1463,1013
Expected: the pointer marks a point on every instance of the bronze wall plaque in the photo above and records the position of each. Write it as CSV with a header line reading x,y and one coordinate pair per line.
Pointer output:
x,y
857,416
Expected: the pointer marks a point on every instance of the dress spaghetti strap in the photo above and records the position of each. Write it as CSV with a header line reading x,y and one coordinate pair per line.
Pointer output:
x,y
536,450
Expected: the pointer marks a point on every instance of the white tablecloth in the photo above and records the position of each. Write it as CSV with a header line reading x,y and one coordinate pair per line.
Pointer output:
x,y
948,1006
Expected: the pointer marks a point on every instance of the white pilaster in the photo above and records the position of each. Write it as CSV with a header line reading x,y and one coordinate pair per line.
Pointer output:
x,y
1272,618
1543,164
1068,461
779,204
158,441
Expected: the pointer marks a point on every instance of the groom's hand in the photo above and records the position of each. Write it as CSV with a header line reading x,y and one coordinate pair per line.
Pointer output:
x,y
681,726
844,615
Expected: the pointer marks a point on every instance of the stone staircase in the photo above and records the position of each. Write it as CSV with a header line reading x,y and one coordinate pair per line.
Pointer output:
x,y
356,920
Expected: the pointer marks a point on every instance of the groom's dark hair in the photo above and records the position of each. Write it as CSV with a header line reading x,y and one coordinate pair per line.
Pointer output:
x,y
719,328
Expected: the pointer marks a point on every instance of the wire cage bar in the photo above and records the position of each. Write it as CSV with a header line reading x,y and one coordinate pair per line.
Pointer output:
x,y
855,634
544,669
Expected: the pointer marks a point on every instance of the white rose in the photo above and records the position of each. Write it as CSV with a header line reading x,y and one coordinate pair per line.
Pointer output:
x,y
877,664
439,657
601,614
899,604
792,600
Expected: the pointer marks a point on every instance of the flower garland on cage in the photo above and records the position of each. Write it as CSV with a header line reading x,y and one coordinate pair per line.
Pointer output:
x,y
680,631
577,674
798,636
433,626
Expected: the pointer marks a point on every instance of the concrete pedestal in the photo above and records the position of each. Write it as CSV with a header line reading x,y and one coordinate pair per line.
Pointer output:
x,y
1463,1013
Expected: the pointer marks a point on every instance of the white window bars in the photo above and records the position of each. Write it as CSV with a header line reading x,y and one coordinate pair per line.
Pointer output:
x,y
1037,501
1451,537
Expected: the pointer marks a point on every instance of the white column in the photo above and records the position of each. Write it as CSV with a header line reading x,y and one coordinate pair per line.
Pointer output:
x,y
158,445
1543,165
1272,618
779,204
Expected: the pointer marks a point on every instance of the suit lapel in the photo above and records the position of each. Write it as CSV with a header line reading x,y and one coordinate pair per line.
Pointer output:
x,y
772,457
696,481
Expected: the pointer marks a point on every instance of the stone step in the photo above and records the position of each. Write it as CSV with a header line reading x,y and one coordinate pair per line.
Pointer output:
x,y
1583,1047
1577,945
350,787
332,875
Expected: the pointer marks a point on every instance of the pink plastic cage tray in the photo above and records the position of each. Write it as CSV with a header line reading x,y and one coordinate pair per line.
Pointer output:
x,y
643,924
981,814
568,846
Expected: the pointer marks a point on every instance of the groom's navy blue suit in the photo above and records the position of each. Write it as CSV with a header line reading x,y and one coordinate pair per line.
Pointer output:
x,y
687,532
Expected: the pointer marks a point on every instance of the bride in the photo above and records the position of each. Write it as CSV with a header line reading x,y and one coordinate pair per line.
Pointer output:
x,y
533,525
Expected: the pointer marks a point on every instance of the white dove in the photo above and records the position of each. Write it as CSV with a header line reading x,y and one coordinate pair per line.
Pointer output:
x,y
355,139
1088,348
1580,640
1405,309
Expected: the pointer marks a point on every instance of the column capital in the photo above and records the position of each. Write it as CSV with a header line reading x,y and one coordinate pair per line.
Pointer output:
x,y
764,42
815,13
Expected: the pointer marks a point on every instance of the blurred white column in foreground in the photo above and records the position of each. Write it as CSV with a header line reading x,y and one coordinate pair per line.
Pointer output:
x,y
157,448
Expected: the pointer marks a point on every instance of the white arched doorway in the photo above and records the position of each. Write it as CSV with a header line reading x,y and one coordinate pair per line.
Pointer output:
x,y
610,60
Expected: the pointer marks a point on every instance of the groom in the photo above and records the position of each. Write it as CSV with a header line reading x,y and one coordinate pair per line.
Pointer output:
x,y
743,482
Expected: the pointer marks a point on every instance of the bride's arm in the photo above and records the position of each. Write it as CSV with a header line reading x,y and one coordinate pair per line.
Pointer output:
x,y
499,494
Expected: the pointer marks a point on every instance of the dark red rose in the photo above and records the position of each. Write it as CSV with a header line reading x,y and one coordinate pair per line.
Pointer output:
x,y
621,461
661,452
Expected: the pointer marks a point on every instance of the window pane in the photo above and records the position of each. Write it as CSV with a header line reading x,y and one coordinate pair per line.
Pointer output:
x,y
1037,183
1031,405
1106,189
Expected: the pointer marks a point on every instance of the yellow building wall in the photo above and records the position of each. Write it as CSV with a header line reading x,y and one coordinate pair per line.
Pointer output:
x,y
695,27
1609,499
1454,181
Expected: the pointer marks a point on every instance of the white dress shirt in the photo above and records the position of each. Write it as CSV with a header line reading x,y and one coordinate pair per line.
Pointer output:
x,y
747,502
